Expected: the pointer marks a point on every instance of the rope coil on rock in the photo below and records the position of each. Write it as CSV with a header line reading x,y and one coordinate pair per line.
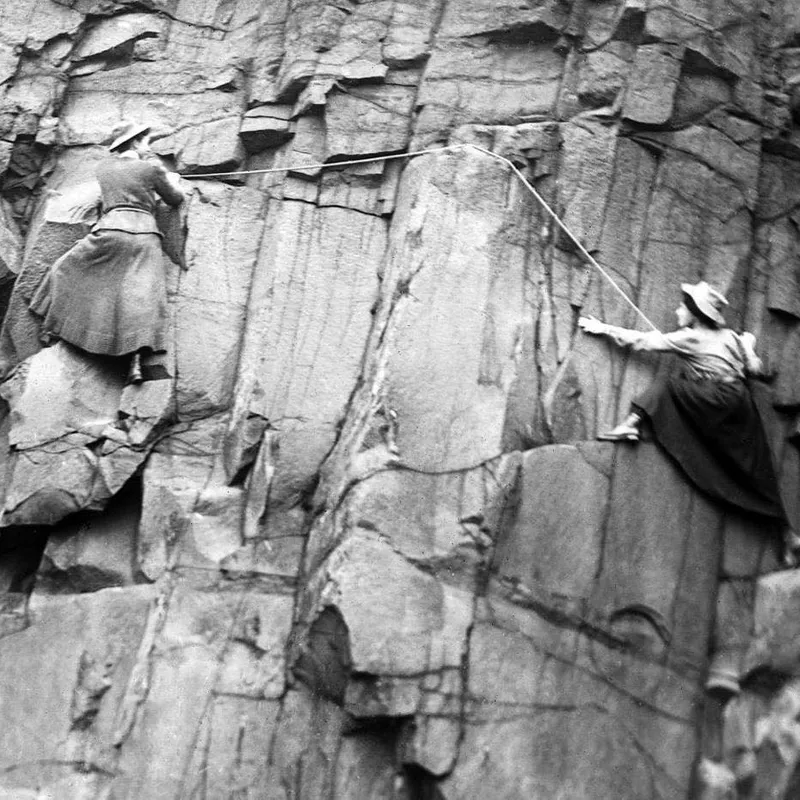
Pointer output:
x,y
412,154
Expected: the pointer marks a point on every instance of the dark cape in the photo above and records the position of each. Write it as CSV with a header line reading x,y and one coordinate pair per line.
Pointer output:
x,y
107,294
714,432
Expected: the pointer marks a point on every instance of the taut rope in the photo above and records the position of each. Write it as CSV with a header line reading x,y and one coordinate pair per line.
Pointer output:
x,y
413,153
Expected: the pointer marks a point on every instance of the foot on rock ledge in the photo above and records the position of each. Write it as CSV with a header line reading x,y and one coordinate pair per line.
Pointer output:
x,y
622,433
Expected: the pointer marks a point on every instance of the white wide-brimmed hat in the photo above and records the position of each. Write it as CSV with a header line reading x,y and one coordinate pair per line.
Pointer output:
x,y
706,299
126,131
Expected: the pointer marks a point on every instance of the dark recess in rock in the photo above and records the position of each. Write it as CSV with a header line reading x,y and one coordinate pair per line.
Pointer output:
x,y
323,663
421,784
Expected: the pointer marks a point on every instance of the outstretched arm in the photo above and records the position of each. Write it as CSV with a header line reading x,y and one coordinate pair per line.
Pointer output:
x,y
625,337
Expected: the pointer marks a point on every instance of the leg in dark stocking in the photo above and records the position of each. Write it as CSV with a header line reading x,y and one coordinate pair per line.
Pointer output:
x,y
135,371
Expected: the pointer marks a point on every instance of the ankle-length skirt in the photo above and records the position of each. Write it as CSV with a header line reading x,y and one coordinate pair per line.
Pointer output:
x,y
107,294
714,432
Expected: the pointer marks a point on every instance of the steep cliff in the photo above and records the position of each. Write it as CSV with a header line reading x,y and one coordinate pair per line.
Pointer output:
x,y
361,543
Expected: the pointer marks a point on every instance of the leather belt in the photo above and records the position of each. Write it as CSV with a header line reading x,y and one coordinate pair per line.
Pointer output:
x,y
127,208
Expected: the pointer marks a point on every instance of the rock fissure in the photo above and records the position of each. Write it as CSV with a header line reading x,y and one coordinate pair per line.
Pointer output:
x,y
138,686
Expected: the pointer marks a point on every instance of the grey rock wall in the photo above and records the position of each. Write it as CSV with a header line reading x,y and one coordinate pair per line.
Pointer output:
x,y
362,543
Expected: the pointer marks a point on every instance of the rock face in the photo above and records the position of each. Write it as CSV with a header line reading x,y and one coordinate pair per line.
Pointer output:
x,y
358,541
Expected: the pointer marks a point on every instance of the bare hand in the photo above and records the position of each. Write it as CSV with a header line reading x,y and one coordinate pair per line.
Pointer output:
x,y
591,325
748,339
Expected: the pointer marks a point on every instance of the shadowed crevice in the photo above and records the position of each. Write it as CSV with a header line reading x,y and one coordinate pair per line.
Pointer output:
x,y
324,660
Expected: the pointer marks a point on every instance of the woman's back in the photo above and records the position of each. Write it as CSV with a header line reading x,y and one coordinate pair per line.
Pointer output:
x,y
710,351
134,183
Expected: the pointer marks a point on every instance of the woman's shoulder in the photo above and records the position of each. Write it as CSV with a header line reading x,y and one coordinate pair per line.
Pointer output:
x,y
700,338
127,166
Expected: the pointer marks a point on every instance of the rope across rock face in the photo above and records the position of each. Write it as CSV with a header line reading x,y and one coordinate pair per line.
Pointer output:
x,y
413,154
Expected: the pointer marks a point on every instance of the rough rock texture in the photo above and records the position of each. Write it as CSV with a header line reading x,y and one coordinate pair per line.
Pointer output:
x,y
360,543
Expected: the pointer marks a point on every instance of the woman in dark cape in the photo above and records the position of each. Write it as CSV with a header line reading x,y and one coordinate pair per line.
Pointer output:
x,y
703,414
107,294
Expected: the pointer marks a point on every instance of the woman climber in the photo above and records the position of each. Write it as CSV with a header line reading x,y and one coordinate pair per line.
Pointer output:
x,y
703,414
107,294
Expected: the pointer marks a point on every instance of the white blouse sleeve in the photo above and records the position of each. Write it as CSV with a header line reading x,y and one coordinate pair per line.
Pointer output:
x,y
680,341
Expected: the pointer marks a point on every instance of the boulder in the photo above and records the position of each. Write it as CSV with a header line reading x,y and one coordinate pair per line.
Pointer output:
x,y
72,447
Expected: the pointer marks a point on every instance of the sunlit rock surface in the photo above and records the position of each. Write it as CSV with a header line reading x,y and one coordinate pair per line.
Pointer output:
x,y
357,541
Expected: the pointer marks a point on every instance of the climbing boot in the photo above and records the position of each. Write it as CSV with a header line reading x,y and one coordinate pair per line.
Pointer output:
x,y
622,433
627,431
135,371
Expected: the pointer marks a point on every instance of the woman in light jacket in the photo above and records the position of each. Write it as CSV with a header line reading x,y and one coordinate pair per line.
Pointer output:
x,y
703,414
107,294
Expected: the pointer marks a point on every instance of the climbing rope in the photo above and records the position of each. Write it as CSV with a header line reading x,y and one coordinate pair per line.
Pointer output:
x,y
412,154
583,251
328,164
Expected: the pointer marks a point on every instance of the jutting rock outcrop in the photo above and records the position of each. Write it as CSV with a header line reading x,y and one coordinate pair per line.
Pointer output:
x,y
357,540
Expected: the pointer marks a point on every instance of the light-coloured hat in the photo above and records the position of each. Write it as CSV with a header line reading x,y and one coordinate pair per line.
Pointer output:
x,y
706,299
126,131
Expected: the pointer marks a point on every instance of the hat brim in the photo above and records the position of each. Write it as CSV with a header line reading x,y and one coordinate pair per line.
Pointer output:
x,y
701,304
136,130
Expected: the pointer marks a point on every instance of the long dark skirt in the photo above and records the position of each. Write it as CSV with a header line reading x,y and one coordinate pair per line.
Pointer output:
x,y
107,294
714,432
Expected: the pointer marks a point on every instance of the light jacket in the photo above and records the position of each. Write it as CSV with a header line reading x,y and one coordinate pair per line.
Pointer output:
x,y
130,189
